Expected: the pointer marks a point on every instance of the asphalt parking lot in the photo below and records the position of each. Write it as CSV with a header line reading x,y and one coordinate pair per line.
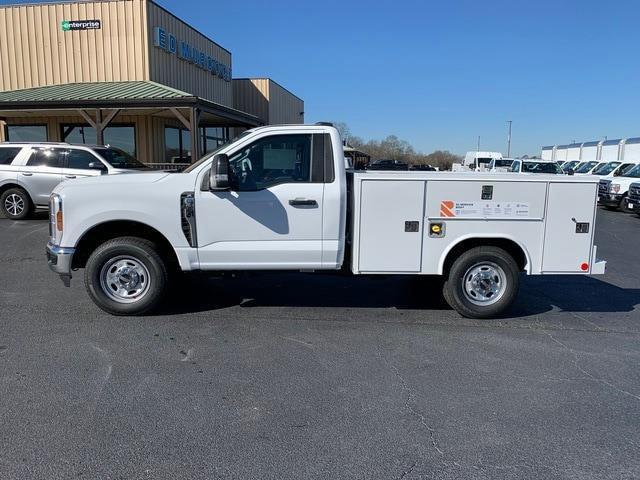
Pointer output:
x,y
302,376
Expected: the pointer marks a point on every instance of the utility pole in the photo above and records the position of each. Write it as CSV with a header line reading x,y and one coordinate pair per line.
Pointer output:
x,y
509,139
478,144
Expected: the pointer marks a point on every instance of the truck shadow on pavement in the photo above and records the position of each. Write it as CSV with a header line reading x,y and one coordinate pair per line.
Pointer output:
x,y
537,294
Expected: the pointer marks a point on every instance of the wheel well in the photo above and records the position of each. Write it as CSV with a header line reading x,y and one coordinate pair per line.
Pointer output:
x,y
122,228
511,247
7,186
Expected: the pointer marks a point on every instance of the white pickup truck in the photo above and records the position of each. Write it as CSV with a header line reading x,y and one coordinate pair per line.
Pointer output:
x,y
279,198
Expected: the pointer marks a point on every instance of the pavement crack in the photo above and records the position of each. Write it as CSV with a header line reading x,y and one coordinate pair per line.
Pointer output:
x,y
590,376
409,407
301,342
407,471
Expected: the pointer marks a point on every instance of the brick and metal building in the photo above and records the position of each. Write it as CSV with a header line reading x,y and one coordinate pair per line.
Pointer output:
x,y
127,73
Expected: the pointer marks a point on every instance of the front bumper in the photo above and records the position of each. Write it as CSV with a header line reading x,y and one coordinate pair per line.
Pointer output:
x,y
609,199
632,204
59,260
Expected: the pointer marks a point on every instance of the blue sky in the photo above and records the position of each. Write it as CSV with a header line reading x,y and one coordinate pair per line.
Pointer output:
x,y
439,74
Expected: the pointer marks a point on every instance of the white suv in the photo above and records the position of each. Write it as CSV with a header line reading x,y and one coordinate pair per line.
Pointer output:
x,y
30,171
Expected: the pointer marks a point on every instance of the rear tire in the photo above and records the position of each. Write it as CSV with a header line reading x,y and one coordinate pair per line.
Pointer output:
x,y
482,283
15,204
126,276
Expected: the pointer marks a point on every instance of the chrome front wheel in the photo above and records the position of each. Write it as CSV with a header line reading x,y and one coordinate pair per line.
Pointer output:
x,y
125,279
126,276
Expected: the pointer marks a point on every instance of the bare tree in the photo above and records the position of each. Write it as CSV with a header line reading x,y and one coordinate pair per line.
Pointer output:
x,y
394,148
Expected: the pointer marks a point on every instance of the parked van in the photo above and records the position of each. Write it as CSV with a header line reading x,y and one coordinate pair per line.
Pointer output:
x,y
479,161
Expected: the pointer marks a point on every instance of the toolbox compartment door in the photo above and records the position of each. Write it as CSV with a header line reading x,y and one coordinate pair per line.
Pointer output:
x,y
566,244
391,225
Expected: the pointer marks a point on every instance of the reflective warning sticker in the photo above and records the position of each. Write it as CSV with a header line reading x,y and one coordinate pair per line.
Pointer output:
x,y
483,209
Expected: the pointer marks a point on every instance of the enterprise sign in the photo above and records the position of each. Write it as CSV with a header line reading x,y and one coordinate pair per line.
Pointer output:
x,y
68,25
170,44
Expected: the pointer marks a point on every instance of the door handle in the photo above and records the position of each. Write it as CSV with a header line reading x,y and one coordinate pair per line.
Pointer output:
x,y
303,202
27,174
70,176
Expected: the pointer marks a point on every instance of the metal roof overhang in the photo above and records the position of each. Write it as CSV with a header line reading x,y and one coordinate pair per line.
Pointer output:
x,y
234,117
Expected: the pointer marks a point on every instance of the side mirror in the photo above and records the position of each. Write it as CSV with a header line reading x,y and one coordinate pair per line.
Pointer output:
x,y
571,171
98,166
219,173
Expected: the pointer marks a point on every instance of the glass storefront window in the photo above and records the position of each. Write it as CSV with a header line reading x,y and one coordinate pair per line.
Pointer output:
x,y
177,142
177,145
122,137
26,133
119,136
213,137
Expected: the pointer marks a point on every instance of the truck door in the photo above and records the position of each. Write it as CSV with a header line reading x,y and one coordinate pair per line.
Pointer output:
x,y
272,216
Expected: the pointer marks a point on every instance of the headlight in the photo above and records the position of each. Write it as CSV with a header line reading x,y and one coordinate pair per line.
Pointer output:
x,y
56,220
614,188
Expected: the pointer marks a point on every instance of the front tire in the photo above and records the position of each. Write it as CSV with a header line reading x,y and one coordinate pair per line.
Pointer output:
x,y
126,276
482,283
15,204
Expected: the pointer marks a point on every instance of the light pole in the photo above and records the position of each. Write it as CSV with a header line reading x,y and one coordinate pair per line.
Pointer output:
x,y
509,139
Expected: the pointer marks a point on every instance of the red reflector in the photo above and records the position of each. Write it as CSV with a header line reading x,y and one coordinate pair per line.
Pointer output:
x,y
584,267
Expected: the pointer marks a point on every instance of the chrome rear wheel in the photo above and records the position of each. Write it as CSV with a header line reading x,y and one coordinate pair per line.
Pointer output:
x,y
484,283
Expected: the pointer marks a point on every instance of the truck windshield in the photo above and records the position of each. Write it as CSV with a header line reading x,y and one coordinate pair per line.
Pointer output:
x,y
540,167
566,166
585,167
606,168
192,167
634,172
119,159
626,167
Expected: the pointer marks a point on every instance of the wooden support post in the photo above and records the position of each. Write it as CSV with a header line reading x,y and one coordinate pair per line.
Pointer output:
x,y
99,128
185,121
99,123
195,134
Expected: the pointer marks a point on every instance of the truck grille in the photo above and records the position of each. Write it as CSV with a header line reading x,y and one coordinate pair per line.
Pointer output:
x,y
603,186
634,192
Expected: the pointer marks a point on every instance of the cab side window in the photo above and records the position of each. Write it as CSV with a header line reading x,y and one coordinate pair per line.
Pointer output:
x,y
270,161
515,167
81,159
46,157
